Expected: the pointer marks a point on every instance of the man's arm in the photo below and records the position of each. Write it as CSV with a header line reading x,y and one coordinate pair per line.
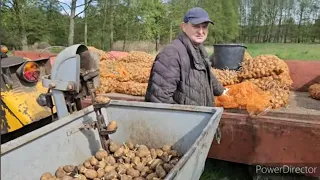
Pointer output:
x,y
217,86
164,77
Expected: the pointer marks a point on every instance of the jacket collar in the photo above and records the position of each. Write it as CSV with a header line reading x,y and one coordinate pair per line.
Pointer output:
x,y
193,53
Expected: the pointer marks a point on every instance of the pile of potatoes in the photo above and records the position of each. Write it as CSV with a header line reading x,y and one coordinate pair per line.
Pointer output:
x,y
226,77
268,72
138,57
262,66
127,161
127,75
132,88
102,55
280,97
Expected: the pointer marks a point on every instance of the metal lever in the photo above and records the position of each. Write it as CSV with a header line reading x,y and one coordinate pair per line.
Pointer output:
x,y
103,129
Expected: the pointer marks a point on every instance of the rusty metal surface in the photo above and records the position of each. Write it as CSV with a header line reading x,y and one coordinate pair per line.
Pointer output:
x,y
268,140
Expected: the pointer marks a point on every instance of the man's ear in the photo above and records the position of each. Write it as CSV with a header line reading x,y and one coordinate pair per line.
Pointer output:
x,y
182,25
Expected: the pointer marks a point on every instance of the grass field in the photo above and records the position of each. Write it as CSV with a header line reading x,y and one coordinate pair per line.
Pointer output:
x,y
283,51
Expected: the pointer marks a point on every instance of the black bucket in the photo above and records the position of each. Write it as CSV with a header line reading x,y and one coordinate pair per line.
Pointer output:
x,y
228,56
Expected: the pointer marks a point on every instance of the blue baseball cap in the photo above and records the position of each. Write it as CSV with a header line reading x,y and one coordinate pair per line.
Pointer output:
x,y
197,15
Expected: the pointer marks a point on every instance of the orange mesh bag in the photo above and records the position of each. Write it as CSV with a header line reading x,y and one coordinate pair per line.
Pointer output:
x,y
245,95
102,55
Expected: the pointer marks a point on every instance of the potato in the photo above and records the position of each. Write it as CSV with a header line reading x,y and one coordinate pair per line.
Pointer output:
x,y
68,168
136,160
167,167
120,160
160,171
130,145
149,159
82,169
67,178
147,170
110,160
130,154
112,126
144,161
101,154
46,176
110,175
109,168
125,177
165,157
91,174
113,146
139,166
80,177
60,173
126,159
93,161
127,166
153,153
121,169
166,148
133,173
174,161
101,164
143,174
100,173
96,179
142,151
119,152
159,152
155,163
139,178
174,153
151,176
125,150
87,164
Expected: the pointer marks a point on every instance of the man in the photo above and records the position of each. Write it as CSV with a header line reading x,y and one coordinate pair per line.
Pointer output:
x,y
181,72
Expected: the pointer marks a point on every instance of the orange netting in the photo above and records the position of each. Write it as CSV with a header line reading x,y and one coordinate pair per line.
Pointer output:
x,y
127,75
245,95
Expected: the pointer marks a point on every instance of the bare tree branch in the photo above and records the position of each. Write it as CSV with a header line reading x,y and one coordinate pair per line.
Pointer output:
x,y
64,3
64,10
83,9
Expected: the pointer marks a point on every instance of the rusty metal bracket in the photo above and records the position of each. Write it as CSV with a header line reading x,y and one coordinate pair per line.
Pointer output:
x,y
218,135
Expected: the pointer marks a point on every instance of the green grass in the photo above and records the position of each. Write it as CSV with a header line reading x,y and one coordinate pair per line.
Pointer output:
x,y
222,170
284,51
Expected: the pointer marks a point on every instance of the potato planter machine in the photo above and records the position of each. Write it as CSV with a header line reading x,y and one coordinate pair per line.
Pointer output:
x,y
80,132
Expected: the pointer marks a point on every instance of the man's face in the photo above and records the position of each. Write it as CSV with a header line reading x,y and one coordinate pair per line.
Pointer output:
x,y
196,32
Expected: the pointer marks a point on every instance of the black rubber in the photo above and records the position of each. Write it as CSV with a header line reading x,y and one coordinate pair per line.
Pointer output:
x,y
228,56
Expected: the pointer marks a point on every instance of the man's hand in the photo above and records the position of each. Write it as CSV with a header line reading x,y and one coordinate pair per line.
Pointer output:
x,y
225,91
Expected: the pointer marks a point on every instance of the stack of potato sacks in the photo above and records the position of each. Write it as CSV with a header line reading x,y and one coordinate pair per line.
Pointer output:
x,y
263,82
126,75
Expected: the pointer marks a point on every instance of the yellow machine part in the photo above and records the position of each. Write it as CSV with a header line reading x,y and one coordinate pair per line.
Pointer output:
x,y
22,105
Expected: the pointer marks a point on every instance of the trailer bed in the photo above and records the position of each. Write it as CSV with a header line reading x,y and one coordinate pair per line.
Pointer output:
x,y
300,104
